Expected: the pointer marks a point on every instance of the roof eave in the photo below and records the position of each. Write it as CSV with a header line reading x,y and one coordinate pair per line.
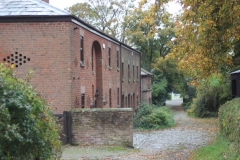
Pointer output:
x,y
35,18
55,18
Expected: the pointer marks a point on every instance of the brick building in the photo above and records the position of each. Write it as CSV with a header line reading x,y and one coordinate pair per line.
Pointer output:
x,y
74,65
146,86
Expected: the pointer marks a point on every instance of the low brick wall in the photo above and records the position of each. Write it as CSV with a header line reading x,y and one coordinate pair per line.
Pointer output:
x,y
105,126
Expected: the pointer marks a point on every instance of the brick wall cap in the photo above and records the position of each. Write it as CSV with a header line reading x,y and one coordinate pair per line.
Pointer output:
x,y
101,110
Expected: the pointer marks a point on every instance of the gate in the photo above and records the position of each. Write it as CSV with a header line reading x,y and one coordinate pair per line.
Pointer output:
x,y
65,122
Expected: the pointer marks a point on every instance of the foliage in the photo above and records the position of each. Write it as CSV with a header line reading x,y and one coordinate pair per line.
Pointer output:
x,y
229,120
146,28
207,35
188,92
159,92
167,78
152,37
211,94
28,128
107,16
220,149
153,117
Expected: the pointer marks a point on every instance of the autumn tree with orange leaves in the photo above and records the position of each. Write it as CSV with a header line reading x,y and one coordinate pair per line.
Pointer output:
x,y
208,34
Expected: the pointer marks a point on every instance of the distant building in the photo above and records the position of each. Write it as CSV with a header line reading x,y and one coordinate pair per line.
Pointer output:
x,y
235,81
146,86
74,64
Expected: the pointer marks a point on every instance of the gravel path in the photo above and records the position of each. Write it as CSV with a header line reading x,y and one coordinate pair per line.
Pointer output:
x,y
170,144
178,142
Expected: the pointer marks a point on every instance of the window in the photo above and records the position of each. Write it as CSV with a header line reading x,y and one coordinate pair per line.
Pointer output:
x,y
92,58
131,104
137,101
128,73
134,100
126,104
83,100
129,101
110,98
109,57
117,59
137,72
117,96
133,73
122,71
122,101
81,49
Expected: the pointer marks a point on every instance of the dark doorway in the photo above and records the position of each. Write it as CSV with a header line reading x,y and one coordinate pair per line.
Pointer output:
x,y
97,71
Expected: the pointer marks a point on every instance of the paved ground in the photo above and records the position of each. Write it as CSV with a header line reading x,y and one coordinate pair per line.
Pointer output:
x,y
174,102
170,144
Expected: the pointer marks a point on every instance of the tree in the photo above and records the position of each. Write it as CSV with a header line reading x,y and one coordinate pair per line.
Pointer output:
x,y
152,37
107,16
208,32
28,128
167,78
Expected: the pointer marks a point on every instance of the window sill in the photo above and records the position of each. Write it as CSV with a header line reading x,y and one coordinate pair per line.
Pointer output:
x,y
82,64
122,80
109,67
118,69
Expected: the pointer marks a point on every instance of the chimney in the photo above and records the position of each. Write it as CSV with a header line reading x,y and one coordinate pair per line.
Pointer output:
x,y
47,1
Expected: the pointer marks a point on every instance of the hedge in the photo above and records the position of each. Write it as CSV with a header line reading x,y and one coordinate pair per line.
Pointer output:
x,y
229,120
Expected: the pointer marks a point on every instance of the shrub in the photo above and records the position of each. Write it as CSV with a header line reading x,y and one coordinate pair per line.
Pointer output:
x,y
152,117
211,94
229,120
207,103
28,128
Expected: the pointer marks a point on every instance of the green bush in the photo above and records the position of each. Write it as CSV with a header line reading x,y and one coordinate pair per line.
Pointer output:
x,y
152,117
28,128
211,94
207,103
229,120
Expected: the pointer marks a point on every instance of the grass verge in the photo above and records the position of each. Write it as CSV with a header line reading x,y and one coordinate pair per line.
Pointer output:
x,y
220,149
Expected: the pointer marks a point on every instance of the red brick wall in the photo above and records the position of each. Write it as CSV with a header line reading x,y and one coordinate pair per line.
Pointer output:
x,y
108,77
48,47
102,126
146,88
54,52
131,78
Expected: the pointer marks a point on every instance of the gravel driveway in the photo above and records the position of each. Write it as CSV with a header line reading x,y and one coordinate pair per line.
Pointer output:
x,y
170,144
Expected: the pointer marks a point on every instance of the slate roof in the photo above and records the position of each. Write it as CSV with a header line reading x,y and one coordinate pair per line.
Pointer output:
x,y
28,7
235,72
145,73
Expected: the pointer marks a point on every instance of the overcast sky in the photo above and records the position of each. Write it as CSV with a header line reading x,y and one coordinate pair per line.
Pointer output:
x,y
173,8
